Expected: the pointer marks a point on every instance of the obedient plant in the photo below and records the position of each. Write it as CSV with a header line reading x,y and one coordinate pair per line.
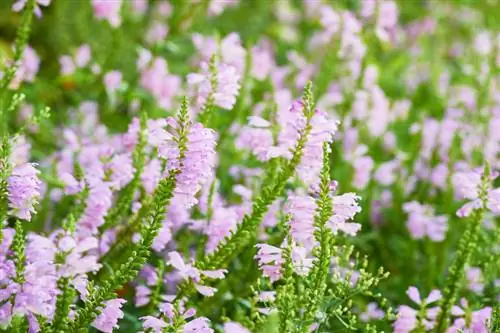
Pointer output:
x,y
249,166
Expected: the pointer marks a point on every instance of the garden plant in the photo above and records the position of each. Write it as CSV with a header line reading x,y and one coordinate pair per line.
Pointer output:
x,y
237,166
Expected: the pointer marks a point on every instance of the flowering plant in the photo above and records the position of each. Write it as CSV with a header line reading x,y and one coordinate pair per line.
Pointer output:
x,y
249,166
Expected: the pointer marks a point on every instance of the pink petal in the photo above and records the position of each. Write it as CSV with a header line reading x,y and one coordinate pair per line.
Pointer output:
x,y
457,311
189,313
18,6
176,260
435,295
256,121
414,295
206,291
218,274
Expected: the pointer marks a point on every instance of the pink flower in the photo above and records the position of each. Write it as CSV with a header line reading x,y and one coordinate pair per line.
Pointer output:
x,y
83,55
217,6
475,279
142,295
387,19
323,128
156,79
108,10
98,203
363,167
302,264
227,87
302,210
224,220
21,148
156,33
161,240
30,64
20,4
230,50
423,222
67,65
408,318
467,186
112,81
483,43
270,261
387,172
188,271
38,293
140,6
494,200
23,188
257,140
80,257
439,176
164,8
198,325
107,321
345,206
477,321
157,133
372,312
233,327
262,62
121,170
151,175
198,165
185,270
154,324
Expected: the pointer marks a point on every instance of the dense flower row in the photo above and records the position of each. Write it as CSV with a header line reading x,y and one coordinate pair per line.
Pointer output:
x,y
309,173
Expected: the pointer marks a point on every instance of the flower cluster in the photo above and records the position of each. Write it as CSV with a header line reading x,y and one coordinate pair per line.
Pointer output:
x,y
249,166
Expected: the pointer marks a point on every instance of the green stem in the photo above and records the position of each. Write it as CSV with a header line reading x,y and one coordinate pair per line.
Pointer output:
x,y
19,46
466,247
245,232
323,235
5,170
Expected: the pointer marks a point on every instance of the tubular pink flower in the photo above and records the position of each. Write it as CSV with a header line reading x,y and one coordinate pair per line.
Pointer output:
x,y
227,85
153,324
270,260
108,10
107,321
408,318
20,4
112,81
302,209
234,327
423,222
23,190
198,325
188,271
345,206
156,79
477,322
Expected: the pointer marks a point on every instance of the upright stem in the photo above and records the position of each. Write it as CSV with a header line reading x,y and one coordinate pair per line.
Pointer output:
x,y
466,246
5,169
19,46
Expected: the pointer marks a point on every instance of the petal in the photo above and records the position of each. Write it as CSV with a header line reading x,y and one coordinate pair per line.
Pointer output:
x,y
435,295
19,5
414,295
189,313
204,290
457,311
176,260
218,274
256,121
